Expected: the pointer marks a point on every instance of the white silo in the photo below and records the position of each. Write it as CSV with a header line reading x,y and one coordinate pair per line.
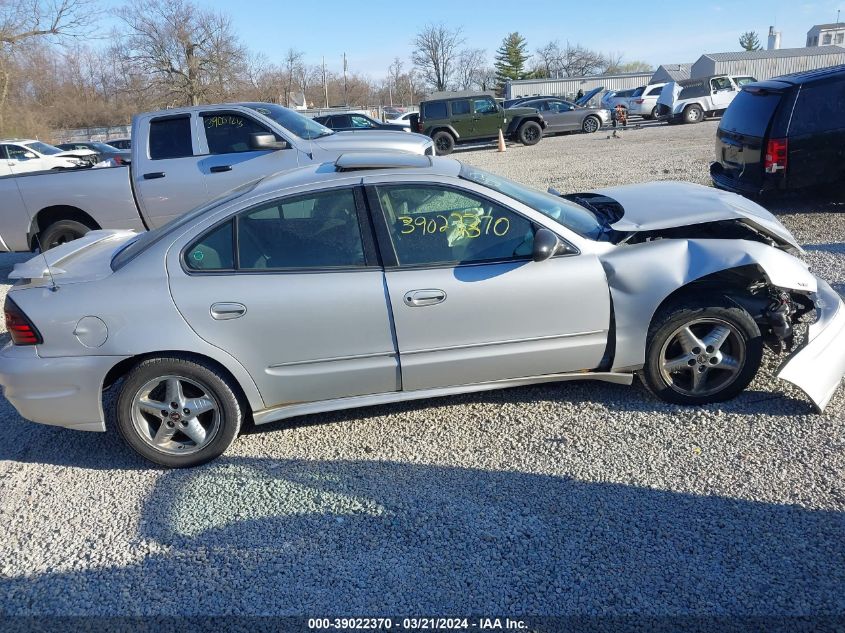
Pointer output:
x,y
774,39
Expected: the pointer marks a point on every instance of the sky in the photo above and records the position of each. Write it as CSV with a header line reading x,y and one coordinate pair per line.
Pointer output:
x,y
373,32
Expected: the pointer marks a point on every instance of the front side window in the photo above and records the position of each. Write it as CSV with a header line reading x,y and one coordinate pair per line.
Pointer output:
x,y
170,138
230,133
485,106
431,225
560,106
315,230
359,121
16,152
460,107
721,83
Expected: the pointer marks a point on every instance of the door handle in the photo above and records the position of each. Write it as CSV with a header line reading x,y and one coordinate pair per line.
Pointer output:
x,y
428,297
153,175
226,311
220,168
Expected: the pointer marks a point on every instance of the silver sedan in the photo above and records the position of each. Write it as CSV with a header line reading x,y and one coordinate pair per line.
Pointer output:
x,y
563,116
388,277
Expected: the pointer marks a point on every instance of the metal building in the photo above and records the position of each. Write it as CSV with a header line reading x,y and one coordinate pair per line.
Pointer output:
x,y
568,87
671,72
767,64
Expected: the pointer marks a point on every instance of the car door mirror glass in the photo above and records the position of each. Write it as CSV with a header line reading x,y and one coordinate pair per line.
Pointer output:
x,y
28,155
546,244
263,141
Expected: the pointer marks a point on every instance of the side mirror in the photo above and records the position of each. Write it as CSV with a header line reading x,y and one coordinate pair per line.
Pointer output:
x,y
263,140
29,155
546,244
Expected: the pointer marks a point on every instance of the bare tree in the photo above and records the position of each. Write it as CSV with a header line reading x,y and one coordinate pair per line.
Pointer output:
x,y
435,50
184,49
292,69
468,67
548,60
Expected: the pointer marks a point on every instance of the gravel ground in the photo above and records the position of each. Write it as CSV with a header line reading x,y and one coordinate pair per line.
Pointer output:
x,y
580,498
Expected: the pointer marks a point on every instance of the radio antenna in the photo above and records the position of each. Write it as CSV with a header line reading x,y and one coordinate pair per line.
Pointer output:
x,y
53,286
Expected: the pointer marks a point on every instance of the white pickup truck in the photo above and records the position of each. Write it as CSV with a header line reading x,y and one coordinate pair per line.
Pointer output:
x,y
181,158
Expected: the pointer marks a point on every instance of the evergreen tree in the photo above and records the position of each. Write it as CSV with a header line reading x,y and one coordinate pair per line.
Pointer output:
x,y
749,41
511,59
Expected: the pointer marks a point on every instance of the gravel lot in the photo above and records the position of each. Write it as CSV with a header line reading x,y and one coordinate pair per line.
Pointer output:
x,y
580,498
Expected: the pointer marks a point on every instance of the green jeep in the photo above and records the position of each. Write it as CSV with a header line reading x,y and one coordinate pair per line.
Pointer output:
x,y
467,116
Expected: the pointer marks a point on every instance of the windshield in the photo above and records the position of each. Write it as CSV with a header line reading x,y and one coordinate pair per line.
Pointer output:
x,y
101,147
141,243
43,148
565,213
294,122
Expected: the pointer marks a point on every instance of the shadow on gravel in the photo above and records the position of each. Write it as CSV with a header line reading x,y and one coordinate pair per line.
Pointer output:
x,y
825,200
359,537
24,441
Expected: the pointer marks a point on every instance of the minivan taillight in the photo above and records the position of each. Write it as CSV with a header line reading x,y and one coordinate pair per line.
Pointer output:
x,y
20,328
776,151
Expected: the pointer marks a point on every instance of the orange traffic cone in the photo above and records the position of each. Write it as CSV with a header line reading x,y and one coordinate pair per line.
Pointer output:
x,y
501,141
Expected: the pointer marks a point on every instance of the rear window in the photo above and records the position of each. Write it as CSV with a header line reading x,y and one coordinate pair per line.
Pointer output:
x,y
434,110
170,138
818,108
750,113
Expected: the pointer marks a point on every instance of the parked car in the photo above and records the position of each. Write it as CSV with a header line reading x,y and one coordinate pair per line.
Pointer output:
x,y
644,101
563,116
691,100
352,121
461,281
391,112
181,158
510,103
476,117
610,100
584,99
120,143
18,156
102,151
784,133
403,120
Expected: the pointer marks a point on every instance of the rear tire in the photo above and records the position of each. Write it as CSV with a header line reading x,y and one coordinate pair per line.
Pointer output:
x,y
653,115
591,124
693,114
61,232
702,351
178,412
529,133
444,142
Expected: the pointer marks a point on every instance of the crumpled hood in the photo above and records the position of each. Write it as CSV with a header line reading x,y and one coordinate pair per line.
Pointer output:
x,y
659,205
367,140
76,152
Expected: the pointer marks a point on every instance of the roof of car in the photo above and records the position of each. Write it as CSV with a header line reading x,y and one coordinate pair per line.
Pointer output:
x,y
811,75
360,164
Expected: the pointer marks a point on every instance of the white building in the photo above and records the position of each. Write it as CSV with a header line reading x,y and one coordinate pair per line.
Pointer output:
x,y
569,86
767,64
670,72
826,34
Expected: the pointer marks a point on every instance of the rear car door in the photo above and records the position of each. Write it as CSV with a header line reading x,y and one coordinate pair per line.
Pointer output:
x,y
461,117
816,137
469,303
292,288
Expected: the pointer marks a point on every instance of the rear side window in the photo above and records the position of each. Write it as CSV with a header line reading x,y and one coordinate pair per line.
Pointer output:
x,y
818,108
434,110
654,91
750,113
229,133
170,138
213,251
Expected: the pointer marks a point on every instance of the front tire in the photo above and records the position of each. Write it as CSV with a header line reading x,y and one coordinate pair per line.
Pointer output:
x,y
178,412
444,143
701,352
693,114
61,232
529,133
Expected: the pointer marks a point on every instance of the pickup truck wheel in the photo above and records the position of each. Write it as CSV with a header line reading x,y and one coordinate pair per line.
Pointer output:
x,y
61,232
693,114
701,352
529,133
178,412
591,124
444,142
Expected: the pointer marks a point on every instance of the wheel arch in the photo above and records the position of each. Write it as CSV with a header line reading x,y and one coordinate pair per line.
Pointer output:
x,y
49,215
443,128
517,121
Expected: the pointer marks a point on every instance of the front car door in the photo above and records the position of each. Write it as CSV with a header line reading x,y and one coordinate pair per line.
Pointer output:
x,y
20,159
469,304
566,116
486,117
722,92
292,288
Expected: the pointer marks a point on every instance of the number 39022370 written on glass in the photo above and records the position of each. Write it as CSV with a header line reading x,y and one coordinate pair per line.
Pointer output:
x,y
461,225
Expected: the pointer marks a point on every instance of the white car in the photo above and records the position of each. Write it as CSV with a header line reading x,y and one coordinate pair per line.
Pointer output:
x,y
403,120
644,101
20,156
691,100
610,100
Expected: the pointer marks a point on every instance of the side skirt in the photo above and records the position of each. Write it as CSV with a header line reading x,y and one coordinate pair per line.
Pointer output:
x,y
273,414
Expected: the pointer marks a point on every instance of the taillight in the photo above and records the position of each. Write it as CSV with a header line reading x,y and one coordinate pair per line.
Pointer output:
x,y
20,328
776,152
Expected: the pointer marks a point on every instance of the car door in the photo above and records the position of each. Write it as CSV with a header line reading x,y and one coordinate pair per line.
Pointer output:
x,y
722,92
5,163
566,115
461,118
486,117
359,122
229,159
21,160
288,287
469,304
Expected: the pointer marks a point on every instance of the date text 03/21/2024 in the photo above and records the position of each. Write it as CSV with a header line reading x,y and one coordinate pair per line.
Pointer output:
x,y
417,624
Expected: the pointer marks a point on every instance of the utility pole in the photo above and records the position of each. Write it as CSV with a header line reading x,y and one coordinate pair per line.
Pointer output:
x,y
345,87
325,83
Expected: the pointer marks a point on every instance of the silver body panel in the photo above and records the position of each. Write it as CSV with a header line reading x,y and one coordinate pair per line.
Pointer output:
x,y
322,340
